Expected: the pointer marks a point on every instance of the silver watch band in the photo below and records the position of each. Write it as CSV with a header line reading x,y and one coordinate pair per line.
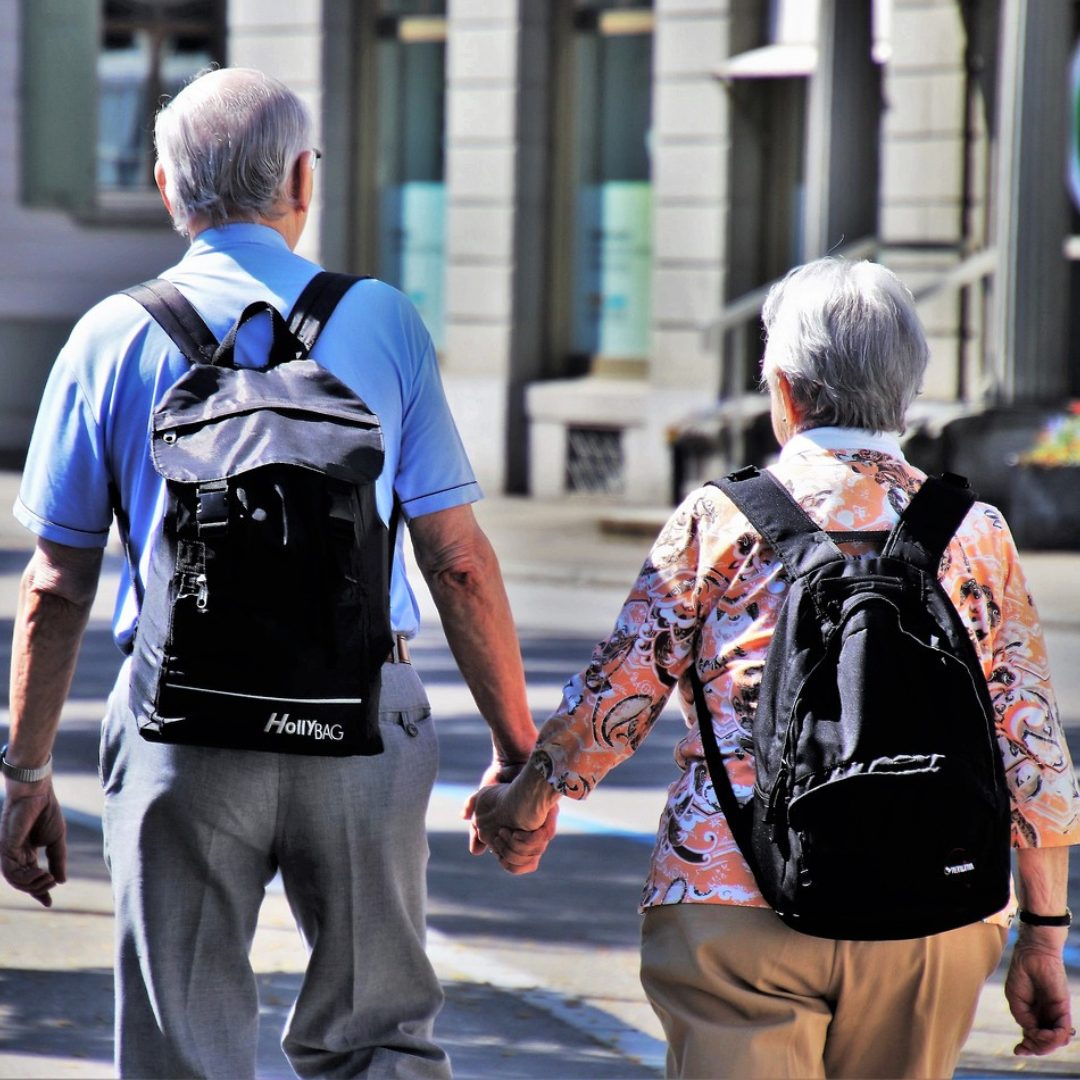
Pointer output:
x,y
27,776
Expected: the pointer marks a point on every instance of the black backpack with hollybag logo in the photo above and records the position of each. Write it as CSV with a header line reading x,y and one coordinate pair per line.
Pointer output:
x,y
880,808
265,620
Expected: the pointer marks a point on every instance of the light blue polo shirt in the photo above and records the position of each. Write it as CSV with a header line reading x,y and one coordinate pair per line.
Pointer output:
x,y
92,429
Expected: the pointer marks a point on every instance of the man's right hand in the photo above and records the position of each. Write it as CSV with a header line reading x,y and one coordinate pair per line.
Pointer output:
x,y
32,820
517,821
498,772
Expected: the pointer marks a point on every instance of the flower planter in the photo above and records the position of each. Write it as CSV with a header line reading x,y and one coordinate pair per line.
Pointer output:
x,y
1044,506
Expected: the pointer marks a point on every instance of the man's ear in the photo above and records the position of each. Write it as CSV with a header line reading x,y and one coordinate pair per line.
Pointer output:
x,y
159,179
302,182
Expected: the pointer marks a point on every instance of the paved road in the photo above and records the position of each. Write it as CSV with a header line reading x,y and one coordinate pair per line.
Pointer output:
x,y
540,971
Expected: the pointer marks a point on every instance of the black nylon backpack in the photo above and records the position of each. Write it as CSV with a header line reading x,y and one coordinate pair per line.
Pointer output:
x,y
265,620
880,808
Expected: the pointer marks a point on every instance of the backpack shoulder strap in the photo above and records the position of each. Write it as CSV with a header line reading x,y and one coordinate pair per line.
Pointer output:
x,y
316,304
173,312
930,521
801,544
738,817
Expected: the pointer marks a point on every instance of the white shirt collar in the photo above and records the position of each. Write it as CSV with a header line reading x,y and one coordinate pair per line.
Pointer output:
x,y
841,438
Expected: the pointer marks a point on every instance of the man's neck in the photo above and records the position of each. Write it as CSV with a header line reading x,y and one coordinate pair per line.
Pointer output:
x,y
281,225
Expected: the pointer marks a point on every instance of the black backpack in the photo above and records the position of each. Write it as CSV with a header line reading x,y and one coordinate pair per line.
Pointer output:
x,y
880,808
265,620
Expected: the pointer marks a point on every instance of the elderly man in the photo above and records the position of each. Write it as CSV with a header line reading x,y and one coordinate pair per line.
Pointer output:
x,y
738,991
194,834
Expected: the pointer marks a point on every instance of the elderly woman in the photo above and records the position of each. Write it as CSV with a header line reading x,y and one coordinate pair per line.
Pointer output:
x,y
740,993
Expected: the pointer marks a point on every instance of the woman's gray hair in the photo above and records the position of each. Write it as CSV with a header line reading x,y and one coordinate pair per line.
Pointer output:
x,y
228,143
848,339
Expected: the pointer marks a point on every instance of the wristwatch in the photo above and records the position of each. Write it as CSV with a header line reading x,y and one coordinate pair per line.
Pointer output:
x,y
27,776
1031,919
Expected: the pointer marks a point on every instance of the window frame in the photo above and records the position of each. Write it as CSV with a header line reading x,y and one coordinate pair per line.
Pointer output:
x,y
62,42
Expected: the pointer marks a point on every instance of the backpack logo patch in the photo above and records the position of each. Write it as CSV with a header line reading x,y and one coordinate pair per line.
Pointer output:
x,y
312,729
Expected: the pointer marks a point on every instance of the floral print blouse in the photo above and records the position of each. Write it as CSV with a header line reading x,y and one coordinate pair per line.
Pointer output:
x,y
710,579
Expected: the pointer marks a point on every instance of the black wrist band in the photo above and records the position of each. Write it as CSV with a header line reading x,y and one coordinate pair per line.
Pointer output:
x,y
1046,920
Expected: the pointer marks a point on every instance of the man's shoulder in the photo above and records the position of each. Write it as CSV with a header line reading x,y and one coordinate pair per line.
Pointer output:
x,y
377,312
106,330
115,311
373,297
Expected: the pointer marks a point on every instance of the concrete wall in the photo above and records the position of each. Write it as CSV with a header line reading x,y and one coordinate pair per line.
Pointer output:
x,y
922,175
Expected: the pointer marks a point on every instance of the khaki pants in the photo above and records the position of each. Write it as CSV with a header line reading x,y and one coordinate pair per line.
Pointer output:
x,y
742,995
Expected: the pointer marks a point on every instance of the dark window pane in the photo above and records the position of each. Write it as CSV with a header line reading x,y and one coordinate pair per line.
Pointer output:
x,y
150,49
412,7
59,55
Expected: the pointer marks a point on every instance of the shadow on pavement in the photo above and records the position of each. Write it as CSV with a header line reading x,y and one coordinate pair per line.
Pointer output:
x,y
585,893
490,1032
487,1032
65,1014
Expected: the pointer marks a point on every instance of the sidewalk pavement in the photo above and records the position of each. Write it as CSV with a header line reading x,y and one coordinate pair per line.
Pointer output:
x,y
497,1021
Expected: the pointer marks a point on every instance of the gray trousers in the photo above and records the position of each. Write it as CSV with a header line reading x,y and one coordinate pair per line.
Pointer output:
x,y
192,837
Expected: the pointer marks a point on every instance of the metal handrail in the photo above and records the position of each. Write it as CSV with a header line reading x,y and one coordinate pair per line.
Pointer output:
x,y
978,268
726,334
748,306
969,271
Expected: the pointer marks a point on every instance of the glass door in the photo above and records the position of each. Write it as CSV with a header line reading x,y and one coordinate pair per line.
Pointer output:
x,y
610,176
410,188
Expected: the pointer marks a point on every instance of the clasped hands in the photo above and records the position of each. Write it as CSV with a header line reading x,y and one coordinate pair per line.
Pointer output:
x,y
513,814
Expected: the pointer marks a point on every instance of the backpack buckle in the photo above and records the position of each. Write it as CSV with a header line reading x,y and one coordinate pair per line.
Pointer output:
x,y
212,506
747,472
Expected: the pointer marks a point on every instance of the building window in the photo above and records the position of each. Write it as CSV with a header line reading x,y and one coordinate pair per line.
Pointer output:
x,y
93,74
149,50
602,263
405,213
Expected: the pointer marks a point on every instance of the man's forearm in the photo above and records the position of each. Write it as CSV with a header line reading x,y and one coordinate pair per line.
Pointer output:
x,y
48,631
479,627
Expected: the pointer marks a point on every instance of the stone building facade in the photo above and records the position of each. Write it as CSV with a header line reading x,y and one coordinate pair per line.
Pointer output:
x,y
585,198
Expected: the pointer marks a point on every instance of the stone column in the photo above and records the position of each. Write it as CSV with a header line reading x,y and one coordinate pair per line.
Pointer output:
x,y
691,145
922,191
1032,285
497,54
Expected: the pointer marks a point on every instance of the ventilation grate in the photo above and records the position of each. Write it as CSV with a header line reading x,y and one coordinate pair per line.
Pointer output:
x,y
594,460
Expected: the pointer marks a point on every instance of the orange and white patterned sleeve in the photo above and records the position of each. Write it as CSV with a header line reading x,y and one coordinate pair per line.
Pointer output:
x,y
608,709
1038,769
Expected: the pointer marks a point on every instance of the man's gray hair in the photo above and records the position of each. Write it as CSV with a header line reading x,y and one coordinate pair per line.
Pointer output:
x,y
848,339
228,143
